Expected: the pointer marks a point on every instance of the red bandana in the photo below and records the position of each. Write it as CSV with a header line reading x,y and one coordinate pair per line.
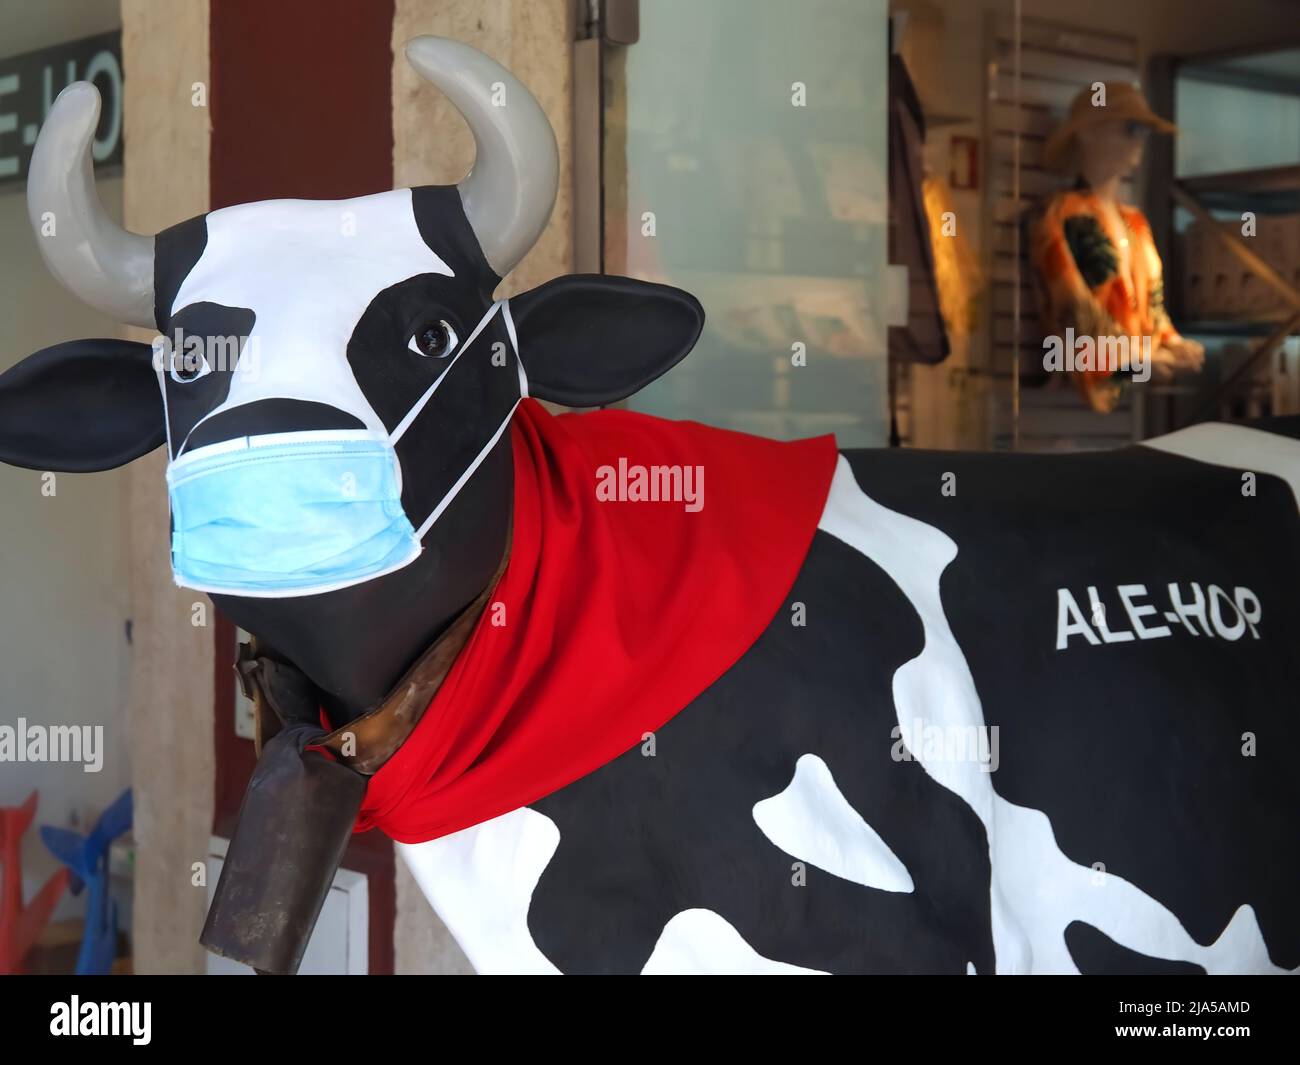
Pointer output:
x,y
614,612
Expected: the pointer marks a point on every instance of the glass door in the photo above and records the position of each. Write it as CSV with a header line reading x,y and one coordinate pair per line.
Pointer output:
x,y
743,157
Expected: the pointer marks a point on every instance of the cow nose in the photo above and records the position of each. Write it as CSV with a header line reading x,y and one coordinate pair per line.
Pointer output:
x,y
269,416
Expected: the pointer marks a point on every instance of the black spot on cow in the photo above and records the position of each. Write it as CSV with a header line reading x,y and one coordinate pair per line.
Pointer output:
x,y
478,392
177,249
1134,750
440,217
221,334
1095,953
469,404
644,838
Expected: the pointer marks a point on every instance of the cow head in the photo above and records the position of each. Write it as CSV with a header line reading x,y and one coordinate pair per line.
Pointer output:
x,y
369,319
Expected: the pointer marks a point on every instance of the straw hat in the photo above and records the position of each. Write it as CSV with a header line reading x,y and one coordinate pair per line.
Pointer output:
x,y
1123,103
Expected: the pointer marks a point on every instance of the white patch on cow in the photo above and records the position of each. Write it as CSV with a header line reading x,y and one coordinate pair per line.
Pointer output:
x,y
1036,890
970,969
1238,447
308,269
481,880
812,821
701,942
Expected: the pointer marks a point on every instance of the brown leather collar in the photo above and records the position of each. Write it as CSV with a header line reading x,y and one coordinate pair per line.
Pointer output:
x,y
366,742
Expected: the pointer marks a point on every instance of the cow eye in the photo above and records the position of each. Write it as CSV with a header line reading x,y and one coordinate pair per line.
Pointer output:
x,y
434,340
189,367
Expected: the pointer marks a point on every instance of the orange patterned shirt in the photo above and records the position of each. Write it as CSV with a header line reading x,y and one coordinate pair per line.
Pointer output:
x,y
1084,283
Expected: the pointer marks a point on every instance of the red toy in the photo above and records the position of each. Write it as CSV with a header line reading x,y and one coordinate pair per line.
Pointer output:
x,y
20,927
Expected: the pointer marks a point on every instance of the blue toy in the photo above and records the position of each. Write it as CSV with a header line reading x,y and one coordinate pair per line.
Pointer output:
x,y
87,859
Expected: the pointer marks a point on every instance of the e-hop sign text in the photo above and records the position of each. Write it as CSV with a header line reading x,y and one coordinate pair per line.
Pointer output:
x,y
30,83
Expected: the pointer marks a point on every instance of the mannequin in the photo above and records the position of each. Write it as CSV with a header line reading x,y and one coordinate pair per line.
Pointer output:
x,y
1098,269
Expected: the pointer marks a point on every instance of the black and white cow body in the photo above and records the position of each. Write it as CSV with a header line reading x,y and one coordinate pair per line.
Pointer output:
x,y
1117,630
1119,827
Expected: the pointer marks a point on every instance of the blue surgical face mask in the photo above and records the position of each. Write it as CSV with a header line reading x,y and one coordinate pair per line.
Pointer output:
x,y
301,513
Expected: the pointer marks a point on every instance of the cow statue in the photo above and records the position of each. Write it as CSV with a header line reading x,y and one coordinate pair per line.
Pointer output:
x,y
642,696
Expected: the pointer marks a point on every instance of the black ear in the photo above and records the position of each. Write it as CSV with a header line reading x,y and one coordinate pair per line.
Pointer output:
x,y
81,406
589,339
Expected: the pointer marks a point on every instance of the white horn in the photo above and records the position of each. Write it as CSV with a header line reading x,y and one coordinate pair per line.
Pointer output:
x,y
97,260
509,193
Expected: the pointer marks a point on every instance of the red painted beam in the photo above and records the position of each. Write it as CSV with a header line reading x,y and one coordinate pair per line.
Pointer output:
x,y
301,107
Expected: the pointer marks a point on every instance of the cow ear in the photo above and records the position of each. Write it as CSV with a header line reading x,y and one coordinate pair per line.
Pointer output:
x,y
81,406
590,339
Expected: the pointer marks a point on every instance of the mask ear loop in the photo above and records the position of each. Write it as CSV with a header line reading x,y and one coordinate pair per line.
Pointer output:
x,y
504,306
413,413
514,343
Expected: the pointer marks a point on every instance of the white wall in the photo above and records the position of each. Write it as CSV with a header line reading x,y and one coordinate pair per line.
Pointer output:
x,y
64,592
64,657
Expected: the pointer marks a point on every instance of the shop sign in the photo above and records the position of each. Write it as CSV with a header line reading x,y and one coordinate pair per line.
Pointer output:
x,y
29,84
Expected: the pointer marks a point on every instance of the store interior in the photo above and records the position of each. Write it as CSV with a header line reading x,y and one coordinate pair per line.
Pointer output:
x,y
892,241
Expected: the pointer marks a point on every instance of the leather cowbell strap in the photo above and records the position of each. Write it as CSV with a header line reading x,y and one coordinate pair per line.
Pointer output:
x,y
366,742
301,805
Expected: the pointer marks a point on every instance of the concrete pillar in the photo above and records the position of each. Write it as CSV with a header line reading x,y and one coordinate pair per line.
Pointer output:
x,y
432,145
165,52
